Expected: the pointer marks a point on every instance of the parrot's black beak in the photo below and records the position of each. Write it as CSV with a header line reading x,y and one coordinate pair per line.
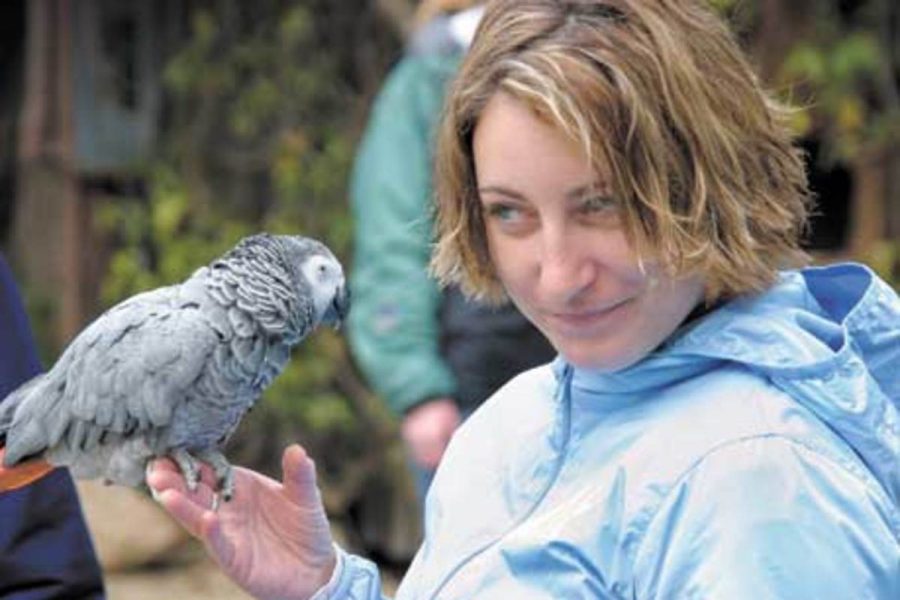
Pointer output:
x,y
339,308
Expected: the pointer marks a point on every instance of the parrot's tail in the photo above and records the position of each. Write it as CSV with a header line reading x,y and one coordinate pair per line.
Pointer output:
x,y
7,410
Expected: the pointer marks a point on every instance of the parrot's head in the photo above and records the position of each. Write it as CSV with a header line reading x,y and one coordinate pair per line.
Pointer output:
x,y
323,278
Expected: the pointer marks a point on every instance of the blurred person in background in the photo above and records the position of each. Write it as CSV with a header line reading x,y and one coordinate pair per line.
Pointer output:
x,y
45,548
433,356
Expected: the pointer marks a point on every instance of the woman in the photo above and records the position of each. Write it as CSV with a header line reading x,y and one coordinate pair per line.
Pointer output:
x,y
713,427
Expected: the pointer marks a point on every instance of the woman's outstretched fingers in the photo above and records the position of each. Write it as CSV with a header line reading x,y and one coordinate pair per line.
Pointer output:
x,y
163,464
299,476
216,541
189,513
170,490
164,474
161,477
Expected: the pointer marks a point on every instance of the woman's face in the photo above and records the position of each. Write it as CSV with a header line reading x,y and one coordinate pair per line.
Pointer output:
x,y
556,240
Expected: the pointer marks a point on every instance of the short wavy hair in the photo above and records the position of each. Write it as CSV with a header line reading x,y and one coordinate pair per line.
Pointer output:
x,y
660,94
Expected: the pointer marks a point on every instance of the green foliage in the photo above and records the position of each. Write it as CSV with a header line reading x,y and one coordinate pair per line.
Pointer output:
x,y
841,70
723,6
884,258
163,240
260,115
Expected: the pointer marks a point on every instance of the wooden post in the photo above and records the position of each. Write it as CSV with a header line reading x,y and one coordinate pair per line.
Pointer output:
x,y
49,216
868,221
72,311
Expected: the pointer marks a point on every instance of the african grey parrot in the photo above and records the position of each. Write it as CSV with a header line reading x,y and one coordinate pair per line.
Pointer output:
x,y
171,372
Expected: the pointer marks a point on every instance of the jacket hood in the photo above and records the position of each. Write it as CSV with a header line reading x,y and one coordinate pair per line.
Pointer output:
x,y
829,337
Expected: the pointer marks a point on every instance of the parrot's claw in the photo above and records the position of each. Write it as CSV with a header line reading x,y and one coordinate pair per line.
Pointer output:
x,y
227,487
188,466
223,470
147,470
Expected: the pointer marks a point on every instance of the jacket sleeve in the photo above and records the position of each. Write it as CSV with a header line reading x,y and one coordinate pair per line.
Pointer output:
x,y
354,578
768,517
393,327
45,549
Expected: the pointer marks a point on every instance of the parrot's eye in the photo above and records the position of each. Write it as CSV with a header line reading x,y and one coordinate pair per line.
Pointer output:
x,y
319,269
323,271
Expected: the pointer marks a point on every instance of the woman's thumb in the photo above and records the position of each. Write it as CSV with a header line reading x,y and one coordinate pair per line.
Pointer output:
x,y
299,476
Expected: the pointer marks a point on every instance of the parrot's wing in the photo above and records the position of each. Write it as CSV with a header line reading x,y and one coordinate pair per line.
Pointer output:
x,y
125,373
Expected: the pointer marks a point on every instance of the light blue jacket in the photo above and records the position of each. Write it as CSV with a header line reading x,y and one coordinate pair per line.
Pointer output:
x,y
755,455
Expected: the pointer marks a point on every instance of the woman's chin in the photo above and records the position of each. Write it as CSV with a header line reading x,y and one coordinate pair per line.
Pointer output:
x,y
593,360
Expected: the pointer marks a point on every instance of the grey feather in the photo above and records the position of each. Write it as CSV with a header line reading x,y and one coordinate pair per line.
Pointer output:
x,y
171,371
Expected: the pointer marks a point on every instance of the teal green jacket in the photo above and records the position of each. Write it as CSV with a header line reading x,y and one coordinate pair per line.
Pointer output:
x,y
393,327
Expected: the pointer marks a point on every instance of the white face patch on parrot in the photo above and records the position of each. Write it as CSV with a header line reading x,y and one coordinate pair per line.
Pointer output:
x,y
326,277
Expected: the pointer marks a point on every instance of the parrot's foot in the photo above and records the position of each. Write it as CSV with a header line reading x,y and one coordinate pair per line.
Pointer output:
x,y
147,470
190,469
222,469
188,466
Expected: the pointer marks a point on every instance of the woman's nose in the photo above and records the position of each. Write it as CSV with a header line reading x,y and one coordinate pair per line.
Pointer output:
x,y
565,269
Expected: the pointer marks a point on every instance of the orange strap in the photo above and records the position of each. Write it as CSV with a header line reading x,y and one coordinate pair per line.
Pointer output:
x,y
22,474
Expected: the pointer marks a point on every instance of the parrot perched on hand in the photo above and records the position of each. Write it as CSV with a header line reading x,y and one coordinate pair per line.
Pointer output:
x,y
171,372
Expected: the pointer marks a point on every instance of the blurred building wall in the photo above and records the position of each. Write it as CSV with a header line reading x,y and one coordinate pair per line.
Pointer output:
x,y
89,114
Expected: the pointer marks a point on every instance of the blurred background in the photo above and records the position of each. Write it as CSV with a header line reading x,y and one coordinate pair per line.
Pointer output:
x,y
141,138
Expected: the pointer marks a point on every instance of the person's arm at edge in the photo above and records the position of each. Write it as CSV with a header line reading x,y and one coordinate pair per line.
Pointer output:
x,y
56,557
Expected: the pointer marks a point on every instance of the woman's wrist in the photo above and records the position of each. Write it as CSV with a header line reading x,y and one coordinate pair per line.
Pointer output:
x,y
332,578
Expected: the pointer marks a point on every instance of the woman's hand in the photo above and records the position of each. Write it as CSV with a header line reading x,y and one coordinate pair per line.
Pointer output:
x,y
427,429
272,539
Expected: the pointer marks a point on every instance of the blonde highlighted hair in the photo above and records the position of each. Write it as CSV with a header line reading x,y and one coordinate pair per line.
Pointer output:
x,y
659,94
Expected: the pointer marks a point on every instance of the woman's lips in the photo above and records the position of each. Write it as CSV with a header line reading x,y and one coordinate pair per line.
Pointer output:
x,y
585,321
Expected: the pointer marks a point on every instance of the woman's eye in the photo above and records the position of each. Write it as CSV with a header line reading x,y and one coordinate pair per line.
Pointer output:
x,y
503,212
509,218
599,204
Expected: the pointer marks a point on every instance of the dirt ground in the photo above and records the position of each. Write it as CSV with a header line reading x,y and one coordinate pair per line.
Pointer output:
x,y
197,579
143,553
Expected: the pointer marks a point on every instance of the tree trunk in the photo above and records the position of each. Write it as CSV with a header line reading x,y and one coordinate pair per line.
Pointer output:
x,y
50,219
868,221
